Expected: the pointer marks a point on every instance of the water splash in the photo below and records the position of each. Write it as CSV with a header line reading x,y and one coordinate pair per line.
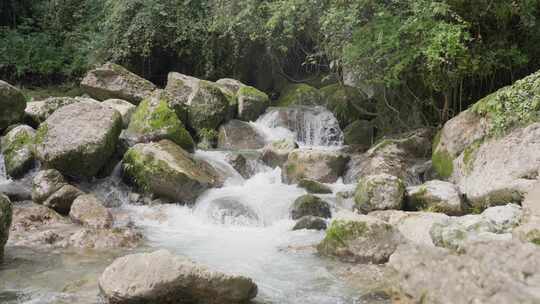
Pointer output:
x,y
309,126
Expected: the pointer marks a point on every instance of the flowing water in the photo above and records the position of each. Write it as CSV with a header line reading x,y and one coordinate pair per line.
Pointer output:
x,y
243,227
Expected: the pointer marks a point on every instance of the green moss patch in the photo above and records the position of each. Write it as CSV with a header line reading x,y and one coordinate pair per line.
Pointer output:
x,y
299,94
443,163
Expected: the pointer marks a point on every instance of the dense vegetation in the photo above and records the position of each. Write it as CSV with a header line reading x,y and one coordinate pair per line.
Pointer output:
x,y
423,57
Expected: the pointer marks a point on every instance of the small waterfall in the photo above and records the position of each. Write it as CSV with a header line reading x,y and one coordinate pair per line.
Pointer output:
x,y
309,126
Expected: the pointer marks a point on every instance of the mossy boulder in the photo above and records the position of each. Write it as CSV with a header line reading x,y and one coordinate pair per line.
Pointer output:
x,y
310,223
167,170
313,186
239,135
348,103
78,139
361,239
114,81
359,132
45,183
310,205
299,94
251,103
230,84
61,200
324,166
379,192
436,196
6,213
12,104
208,106
17,146
154,120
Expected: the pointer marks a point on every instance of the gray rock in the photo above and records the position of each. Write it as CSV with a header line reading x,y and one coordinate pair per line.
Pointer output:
x,y
276,153
379,192
125,108
324,166
111,81
17,146
312,186
6,213
496,272
239,135
310,205
16,191
12,104
102,239
61,200
78,139
37,112
167,170
356,238
436,196
529,230
232,85
89,211
311,223
45,183
161,277
251,103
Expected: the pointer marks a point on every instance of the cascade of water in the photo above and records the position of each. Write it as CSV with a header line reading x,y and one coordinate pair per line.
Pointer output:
x,y
309,126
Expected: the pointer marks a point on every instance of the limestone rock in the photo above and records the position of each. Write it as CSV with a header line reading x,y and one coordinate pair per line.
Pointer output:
x,y
61,200
320,165
251,103
125,108
89,211
239,135
17,146
12,104
276,153
310,205
37,112
437,196
379,192
45,183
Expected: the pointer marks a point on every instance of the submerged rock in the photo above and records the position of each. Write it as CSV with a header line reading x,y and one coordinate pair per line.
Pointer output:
x,y
239,135
436,196
496,272
251,103
310,222
17,146
358,238
310,205
125,108
45,183
161,277
102,239
228,210
12,104
312,186
6,213
89,211
320,165
61,200
379,192
167,170
114,81
78,139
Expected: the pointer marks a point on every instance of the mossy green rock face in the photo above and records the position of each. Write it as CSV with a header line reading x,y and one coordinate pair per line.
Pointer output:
x,y
310,205
12,104
208,106
251,103
360,239
169,171
114,81
299,94
17,148
347,103
78,139
360,132
379,192
6,213
154,120
312,186
311,223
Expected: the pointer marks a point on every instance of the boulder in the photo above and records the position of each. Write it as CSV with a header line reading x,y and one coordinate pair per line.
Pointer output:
x,y
361,239
359,132
89,211
17,146
529,230
125,108
348,103
12,104
310,205
78,139
299,94
436,196
251,103
61,200
161,277
276,153
494,223
312,186
379,192
208,106
239,135
37,112
167,170
393,156
101,239
6,213
497,272
45,183
247,163
310,222
154,120
232,85
111,81
324,166
181,88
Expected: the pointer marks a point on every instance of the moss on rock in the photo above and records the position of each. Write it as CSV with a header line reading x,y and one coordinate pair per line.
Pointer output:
x,y
17,147
443,163
347,103
251,103
299,94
